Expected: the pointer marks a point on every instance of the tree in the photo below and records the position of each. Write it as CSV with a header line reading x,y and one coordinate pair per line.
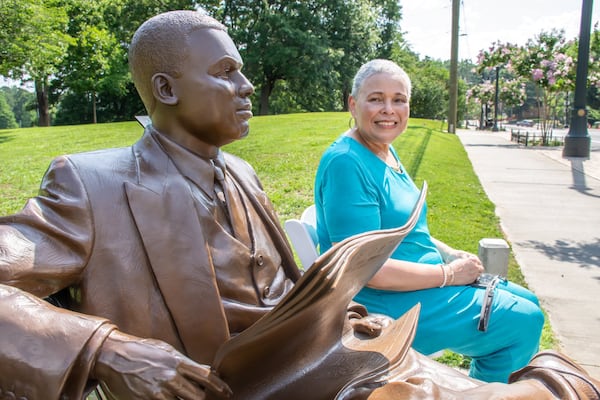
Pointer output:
x,y
389,15
278,40
544,60
350,27
7,118
430,90
301,55
482,94
34,44
512,93
314,46
22,103
94,83
549,62
95,61
593,98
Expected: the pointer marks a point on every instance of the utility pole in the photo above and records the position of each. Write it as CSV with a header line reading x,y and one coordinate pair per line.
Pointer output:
x,y
452,107
577,141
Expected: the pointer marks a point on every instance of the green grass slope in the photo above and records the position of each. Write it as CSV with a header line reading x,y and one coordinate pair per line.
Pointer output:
x,y
285,151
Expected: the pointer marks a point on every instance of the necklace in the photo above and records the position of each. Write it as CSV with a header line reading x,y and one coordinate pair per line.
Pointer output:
x,y
390,160
396,167
393,164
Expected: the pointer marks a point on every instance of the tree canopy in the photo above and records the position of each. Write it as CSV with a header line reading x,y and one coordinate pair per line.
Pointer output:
x,y
301,55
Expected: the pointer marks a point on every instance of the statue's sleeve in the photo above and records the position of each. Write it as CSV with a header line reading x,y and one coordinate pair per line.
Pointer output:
x,y
45,246
45,352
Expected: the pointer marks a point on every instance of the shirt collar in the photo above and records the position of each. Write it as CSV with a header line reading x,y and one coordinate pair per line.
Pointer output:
x,y
198,169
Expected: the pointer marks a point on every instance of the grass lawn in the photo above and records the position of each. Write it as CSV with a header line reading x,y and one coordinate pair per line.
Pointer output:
x,y
285,151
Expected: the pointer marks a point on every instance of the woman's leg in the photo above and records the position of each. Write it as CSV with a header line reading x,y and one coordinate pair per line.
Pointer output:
x,y
449,318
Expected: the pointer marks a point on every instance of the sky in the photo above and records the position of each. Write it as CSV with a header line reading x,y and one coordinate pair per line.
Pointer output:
x,y
427,24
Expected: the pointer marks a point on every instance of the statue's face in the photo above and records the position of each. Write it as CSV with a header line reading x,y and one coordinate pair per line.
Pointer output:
x,y
213,95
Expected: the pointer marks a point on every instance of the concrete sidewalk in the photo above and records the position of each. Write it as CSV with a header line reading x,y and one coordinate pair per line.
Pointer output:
x,y
549,209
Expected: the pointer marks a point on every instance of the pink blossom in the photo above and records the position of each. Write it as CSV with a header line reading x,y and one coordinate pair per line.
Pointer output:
x,y
537,74
480,57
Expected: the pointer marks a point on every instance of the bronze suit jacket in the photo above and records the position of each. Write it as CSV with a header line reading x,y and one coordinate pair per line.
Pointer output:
x,y
119,232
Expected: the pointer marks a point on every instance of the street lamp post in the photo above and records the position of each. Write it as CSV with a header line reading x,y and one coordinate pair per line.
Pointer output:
x,y
577,141
495,127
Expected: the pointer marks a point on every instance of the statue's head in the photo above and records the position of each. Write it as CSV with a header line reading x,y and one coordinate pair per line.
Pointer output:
x,y
159,45
187,70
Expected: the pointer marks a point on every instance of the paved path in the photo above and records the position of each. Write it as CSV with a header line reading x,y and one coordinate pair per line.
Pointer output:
x,y
549,209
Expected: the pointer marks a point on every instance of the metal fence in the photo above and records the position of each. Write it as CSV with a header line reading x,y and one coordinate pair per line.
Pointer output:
x,y
535,138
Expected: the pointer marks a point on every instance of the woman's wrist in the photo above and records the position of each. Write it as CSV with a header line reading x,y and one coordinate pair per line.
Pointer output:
x,y
450,273
447,275
444,275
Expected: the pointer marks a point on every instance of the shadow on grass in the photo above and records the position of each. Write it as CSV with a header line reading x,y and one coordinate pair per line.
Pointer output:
x,y
586,254
6,136
420,152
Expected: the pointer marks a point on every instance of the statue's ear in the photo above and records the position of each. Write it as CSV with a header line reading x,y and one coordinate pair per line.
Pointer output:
x,y
162,89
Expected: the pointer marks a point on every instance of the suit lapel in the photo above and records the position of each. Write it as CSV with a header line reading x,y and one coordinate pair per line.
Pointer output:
x,y
173,237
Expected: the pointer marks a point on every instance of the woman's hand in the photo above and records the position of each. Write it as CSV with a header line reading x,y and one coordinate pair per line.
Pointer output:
x,y
464,267
147,369
457,255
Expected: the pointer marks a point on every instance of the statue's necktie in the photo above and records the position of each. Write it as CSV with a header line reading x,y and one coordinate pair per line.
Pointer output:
x,y
220,186
231,203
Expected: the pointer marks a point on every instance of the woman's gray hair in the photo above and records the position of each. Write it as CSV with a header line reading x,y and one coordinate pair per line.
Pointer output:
x,y
378,66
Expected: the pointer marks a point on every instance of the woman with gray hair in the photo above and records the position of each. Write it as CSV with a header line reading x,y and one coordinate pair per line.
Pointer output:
x,y
361,185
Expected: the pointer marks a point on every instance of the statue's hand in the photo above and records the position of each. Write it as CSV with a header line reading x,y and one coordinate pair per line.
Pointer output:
x,y
370,325
146,369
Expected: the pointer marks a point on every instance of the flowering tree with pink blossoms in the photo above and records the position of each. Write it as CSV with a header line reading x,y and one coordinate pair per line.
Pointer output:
x,y
511,87
548,61
483,95
545,61
512,93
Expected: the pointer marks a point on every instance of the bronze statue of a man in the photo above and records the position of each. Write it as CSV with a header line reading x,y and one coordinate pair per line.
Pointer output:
x,y
161,252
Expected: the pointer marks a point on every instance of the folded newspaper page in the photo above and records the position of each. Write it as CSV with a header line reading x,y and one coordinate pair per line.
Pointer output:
x,y
305,348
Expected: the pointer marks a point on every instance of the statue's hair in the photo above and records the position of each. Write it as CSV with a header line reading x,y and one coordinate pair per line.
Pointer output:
x,y
160,45
378,66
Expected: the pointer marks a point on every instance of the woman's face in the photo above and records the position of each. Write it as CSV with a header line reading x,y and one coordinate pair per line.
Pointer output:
x,y
381,108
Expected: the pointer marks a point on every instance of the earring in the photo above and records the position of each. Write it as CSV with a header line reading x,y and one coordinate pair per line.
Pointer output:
x,y
351,122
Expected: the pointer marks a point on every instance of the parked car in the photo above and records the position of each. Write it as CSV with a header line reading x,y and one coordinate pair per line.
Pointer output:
x,y
525,122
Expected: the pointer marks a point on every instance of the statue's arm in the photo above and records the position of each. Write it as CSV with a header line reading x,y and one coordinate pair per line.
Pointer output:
x,y
50,353
45,351
45,246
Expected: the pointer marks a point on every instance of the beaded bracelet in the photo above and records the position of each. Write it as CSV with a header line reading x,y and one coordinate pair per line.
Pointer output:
x,y
444,274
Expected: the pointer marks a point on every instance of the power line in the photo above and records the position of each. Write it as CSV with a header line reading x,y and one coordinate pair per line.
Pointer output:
x,y
465,31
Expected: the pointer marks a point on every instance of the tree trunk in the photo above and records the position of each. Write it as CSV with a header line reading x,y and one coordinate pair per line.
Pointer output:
x,y
94,118
41,94
265,93
345,93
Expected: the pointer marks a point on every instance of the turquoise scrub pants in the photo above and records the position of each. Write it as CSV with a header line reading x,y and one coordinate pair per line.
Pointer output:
x,y
449,317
